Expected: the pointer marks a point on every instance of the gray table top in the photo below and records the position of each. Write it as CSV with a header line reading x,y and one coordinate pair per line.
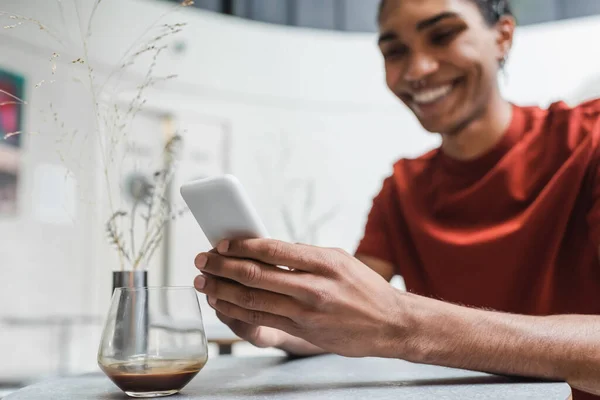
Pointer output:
x,y
322,377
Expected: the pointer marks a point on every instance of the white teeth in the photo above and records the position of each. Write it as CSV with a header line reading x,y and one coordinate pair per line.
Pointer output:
x,y
431,95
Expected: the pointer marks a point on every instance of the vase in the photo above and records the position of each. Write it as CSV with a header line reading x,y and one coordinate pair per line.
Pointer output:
x,y
129,279
132,312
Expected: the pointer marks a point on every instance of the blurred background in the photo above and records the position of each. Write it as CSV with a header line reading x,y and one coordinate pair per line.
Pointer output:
x,y
288,95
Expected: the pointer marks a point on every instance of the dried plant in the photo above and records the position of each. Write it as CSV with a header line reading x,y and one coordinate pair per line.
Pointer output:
x,y
151,203
309,225
301,222
112,128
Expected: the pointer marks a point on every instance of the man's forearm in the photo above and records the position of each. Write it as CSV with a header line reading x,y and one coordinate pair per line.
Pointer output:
x,y
554,347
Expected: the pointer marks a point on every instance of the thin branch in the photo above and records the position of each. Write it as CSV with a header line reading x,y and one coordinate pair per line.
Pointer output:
x,y
114,235
135,43
289,224
96,113
315,226
162,178
6,103
13,96
153,248
132,228
11,134
62,12
155,232
89,26
42,27
309,199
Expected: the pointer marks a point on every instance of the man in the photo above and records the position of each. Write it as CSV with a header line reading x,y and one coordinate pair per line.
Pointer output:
x,y
496,233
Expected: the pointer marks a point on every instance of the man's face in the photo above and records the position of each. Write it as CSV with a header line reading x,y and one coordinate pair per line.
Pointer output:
x,y
441,60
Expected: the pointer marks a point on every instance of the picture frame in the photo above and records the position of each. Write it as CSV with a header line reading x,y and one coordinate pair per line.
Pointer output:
x,y
11,126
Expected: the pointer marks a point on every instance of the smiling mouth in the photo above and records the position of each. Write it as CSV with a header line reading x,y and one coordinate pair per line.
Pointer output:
x,y
429,96
426,99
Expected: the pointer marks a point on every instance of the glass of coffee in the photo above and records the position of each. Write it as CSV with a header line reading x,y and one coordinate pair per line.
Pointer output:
x,y
153,342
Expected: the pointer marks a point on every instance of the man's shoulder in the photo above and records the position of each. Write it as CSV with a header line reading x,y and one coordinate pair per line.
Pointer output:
x,y
588,108
560,127
578,121
406,171
418,163
415,165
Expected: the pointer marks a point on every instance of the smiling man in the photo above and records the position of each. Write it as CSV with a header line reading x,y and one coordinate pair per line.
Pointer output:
x,y
496,233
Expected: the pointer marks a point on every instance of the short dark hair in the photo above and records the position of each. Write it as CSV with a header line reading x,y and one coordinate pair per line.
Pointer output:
x,y
492,10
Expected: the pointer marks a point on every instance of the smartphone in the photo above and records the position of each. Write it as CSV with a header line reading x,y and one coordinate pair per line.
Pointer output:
x,y
223,209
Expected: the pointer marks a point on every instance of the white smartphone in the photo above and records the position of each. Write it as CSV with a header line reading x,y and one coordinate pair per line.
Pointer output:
x,y
223,209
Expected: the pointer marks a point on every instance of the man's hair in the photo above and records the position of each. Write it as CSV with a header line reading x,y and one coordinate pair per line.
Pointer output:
x,y
492,10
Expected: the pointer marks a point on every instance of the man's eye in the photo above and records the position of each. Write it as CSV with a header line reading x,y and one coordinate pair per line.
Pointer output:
x,y
444,37
395,52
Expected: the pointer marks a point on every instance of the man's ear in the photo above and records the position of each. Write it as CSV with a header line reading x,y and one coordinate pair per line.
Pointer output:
x,y
505,29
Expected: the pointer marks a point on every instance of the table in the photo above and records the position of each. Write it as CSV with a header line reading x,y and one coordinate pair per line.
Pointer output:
x,y
322,377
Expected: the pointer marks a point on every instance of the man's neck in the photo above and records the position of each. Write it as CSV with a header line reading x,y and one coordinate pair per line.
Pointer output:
x,y
481,134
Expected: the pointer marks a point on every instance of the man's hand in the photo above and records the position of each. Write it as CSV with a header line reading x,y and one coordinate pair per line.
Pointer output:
x,y
259,336
328,298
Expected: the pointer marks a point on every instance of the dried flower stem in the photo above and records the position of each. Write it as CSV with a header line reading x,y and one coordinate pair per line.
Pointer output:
x,y
24,19
62,12
111,127
18,100
156,228
97,127
91,18
135,43
132,228
114,235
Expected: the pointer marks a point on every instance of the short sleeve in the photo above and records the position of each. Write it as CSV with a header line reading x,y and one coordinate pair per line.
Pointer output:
x,y
376,240
593,216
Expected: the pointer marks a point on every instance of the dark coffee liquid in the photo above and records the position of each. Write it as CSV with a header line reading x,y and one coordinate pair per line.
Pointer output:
x,y
152,375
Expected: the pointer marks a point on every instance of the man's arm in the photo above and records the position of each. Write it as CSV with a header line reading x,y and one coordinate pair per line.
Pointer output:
x,y
562,347
337,303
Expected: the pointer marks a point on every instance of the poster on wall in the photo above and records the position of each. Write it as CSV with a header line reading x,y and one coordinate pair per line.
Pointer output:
x,y
11,120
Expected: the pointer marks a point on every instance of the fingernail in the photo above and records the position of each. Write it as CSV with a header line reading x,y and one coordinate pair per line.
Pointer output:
x,y
201,261
212,301
200,282
223,246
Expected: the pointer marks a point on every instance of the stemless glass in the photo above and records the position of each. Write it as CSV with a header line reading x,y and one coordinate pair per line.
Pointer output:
x,y
153,342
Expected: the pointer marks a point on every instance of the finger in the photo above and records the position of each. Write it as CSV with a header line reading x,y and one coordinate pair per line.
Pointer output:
x,y
250,333
255,274
240,328
252,317
246,297
299,257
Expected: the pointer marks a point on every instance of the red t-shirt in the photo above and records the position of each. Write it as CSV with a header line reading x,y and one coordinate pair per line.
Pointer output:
x,y
516,229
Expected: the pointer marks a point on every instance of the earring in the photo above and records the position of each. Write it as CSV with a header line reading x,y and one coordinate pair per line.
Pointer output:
x,y
503,69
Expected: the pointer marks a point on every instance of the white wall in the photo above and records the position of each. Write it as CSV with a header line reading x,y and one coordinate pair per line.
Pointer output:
x,y
265,88
555,61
